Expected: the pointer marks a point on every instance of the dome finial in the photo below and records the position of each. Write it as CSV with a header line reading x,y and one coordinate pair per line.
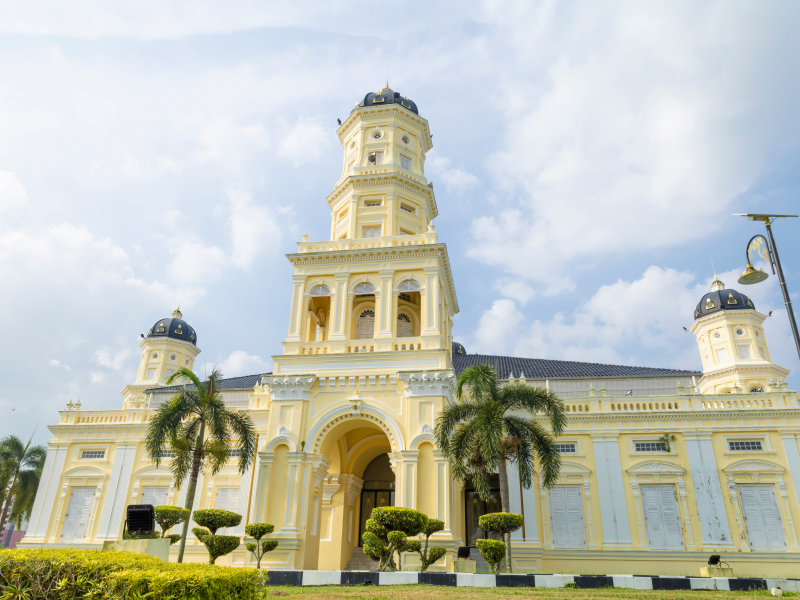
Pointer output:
x,y
717,284
177,314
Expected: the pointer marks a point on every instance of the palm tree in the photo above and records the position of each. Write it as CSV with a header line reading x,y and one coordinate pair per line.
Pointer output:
x,y
20,470
181,424
491,425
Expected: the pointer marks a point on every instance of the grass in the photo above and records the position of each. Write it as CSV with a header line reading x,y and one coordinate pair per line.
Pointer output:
x,y
426,592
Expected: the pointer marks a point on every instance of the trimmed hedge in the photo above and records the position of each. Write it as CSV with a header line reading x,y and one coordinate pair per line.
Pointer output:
x,y
213,519
97,575
257,531
501,522
493,552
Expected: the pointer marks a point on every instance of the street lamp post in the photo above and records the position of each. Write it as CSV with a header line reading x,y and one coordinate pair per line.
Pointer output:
x,y
751,276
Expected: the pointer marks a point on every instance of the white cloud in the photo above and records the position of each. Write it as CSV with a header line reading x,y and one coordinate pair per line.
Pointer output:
x,y
195,262
241,363
12,193
223,140
515,289
114,359
253,231
97,378
496,327
57,363
306,141
620,131
637,322
456,179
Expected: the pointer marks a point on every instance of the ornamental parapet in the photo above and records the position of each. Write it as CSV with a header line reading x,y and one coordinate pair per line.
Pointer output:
x,y
289,388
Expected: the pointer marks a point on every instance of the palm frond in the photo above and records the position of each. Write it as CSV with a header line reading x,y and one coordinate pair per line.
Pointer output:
x,y
480,381
244,433
449,418
167,421
535,399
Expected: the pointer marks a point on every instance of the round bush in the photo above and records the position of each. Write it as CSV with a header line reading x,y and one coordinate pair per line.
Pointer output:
x,y
258,530
169,516
492,551
501,522
213,519
220,545
394,518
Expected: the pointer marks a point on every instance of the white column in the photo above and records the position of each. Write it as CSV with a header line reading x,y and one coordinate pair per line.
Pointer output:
x,y
707,490
613,504
404,465
444,486
792,446
114,508
46,493
514,497
529,510
385,316
296,491
431,325
299,308
339,308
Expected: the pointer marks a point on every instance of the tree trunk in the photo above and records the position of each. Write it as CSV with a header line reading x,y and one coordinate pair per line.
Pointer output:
x,y
198,456
505,505
7,504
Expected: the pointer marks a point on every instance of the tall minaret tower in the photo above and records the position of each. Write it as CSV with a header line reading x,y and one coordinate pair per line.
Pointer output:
x,y
732,344
382,283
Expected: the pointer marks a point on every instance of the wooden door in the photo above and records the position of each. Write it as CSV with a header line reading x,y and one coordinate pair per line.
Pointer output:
x,y
762,518
567,527
662,517
365,325
76,519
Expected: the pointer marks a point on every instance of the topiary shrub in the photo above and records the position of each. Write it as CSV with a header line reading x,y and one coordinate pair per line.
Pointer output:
x,y
387,532
492,552
169,516
174,537
257,531
200,532
213,519
502,523
428,556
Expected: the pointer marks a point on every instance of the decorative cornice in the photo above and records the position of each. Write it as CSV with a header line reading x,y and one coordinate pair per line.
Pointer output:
x,y
429,384
289,388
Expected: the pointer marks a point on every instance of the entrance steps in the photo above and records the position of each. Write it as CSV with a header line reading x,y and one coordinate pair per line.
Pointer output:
x,y
481,566
359,561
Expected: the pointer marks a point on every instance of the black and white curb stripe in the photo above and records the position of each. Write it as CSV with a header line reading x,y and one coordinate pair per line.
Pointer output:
x,y
637,582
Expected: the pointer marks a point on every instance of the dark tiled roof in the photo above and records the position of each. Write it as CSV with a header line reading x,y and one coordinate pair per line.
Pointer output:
x,y
231,383
538,368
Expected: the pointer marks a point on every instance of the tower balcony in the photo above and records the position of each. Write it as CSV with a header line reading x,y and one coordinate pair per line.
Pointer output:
x,y
405,344
430,237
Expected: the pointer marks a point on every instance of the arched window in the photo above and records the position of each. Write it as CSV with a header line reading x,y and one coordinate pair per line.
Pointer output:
x,y
405,328
365,325
320,290
363,289
409,285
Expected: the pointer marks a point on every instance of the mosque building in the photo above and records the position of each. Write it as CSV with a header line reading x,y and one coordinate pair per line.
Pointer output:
x,y
345,418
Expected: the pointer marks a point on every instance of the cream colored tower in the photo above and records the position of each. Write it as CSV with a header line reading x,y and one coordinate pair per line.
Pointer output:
x,y
732,344
170,344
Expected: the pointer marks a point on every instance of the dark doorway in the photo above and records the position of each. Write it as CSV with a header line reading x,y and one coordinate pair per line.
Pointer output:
x,y
475,508
378,490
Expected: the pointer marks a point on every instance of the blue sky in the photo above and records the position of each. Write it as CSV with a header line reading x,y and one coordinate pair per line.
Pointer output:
x,y
587,157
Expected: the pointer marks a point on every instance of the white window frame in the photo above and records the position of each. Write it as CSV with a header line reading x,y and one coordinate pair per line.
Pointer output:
x,y
373,203
563,443
409,208
410,162
656,442
754,443
648,440
765,445
82,449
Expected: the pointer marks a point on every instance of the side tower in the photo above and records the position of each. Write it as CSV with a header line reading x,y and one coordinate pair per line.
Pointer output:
x,y
170,344
732,344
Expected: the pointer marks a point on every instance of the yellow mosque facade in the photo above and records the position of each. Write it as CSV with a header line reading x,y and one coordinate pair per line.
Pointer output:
x,y
345,418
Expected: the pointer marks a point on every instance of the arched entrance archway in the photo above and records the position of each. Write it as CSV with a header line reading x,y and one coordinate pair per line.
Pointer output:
x,y
376,491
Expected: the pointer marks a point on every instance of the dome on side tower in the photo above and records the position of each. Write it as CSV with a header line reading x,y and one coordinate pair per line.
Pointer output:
x,y
720,298
174,327
388,96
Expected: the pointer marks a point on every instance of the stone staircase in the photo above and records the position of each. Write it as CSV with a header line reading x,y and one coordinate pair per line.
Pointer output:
x,y
359,561
481,566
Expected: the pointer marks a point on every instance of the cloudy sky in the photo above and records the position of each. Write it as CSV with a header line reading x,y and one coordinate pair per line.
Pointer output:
x,y
587,158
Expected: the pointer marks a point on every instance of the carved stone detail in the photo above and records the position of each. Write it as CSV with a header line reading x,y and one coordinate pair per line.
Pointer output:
x,y
289,388
429,384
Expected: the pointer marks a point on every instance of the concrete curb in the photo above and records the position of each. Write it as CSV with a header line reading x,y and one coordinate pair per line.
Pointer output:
x,y
438,578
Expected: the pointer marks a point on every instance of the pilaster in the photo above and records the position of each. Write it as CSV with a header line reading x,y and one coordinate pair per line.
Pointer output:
x,y
115,503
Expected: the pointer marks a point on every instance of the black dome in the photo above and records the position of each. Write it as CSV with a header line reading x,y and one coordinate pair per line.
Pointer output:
x,y
458,348
387,96
722,299
174,327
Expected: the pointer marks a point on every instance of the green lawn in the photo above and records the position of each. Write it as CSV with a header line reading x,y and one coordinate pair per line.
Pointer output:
x,y
426,592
